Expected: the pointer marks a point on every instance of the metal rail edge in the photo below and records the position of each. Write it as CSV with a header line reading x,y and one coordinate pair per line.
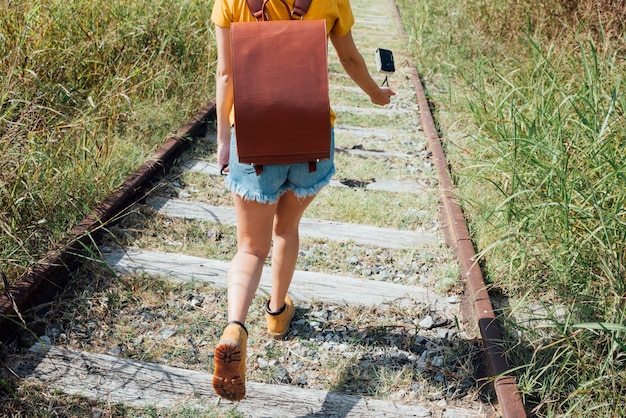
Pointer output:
x,y
40,284
458,238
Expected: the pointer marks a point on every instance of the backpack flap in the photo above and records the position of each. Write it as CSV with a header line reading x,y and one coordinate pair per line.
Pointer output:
x,y
280,78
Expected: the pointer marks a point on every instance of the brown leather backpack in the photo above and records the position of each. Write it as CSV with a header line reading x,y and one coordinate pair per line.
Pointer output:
x,y
280,78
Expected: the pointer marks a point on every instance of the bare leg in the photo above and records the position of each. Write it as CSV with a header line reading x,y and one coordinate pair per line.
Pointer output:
x,y
286,245
254,238
256,224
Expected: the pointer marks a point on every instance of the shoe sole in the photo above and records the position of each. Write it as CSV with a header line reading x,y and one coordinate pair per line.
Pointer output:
x,y
227,379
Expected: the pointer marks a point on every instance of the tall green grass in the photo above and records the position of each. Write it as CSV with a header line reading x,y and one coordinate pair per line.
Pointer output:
x,y
531,109
557,134
88,90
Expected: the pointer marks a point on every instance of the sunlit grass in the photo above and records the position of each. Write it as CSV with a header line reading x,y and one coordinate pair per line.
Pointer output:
x,y
531,112
90,90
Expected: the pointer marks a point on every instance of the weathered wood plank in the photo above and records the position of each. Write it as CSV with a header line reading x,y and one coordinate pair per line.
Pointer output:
x,y
406,186
402,186
330,230
374,153
369,132
333,74
351,89
388,111
117,380
379,133
305,285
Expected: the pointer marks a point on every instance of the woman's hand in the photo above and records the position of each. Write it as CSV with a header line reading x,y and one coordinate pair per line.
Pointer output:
x,y
223,153
382,96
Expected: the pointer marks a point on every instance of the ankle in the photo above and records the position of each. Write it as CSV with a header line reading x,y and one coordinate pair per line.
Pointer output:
x,y
238,323
274,313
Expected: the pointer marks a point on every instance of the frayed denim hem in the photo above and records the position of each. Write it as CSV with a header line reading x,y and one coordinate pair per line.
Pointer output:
x,y
300,192
315,189
246,194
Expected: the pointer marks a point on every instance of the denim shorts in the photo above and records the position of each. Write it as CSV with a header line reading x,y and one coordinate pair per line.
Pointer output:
x,y
277,179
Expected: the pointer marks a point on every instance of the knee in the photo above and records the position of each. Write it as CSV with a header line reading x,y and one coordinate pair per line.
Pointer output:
x,y
259,250
285,231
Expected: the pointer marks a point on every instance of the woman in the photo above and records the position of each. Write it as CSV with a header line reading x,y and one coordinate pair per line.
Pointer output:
x,y
269,206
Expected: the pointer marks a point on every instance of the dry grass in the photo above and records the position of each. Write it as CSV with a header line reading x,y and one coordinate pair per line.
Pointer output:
x,y
90,90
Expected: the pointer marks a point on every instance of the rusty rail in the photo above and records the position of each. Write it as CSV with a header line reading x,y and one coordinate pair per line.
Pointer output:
x,y
52,273
457,236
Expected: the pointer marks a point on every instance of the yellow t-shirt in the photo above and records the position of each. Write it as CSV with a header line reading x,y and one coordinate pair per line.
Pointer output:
x,y
337,13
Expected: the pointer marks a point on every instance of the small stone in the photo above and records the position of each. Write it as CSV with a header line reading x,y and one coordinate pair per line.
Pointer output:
x,y
167,332
421,365
399,394
420,340
282,376
197,301
427,322
42,345
54,332
453,299
435,396
384,274
115,351
437,361
417,388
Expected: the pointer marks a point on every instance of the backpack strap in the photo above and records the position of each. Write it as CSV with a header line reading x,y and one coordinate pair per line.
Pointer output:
x,y
300,7
256,7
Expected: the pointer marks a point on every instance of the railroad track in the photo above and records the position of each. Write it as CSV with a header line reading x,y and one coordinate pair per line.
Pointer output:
x,y
368,293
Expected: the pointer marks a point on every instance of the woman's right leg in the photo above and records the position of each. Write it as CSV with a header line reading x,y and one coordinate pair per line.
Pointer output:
x,y
286,245
280,309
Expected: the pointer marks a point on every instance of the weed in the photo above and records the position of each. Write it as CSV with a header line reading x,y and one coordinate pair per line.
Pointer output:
x,y
91,89
539,163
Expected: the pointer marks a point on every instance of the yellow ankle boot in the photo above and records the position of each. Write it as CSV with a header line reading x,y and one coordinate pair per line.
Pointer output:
x,y
229,377
278,322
